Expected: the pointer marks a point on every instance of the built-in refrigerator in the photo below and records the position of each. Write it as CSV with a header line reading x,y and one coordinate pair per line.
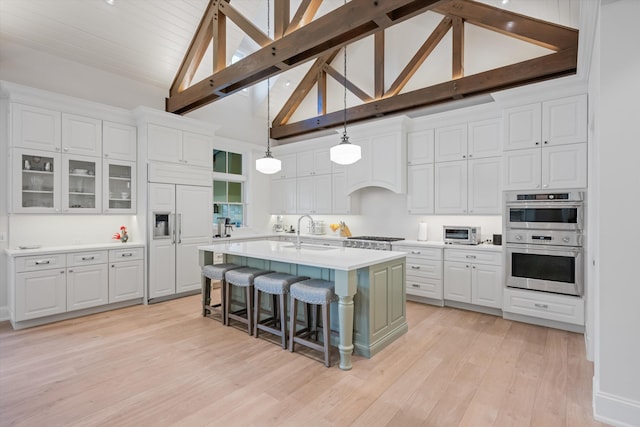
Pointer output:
x,y
180,222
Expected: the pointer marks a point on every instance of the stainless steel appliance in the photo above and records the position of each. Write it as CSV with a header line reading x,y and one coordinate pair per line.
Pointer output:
x,y
461,235
544,235
371,242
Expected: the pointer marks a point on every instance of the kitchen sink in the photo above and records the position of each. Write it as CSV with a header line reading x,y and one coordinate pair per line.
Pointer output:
x,y
306,246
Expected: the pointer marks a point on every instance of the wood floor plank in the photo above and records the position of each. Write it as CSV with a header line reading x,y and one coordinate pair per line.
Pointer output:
x,y
165,364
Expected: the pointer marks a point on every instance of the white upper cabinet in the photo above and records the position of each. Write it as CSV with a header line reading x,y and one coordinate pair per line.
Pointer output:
x,y
176,146
314,162
314,194
522,169
35,128
485,139
289,167
555,122
36,181
119,142
420,189
451,187
451,143
485,185
420,147
81,135
382,164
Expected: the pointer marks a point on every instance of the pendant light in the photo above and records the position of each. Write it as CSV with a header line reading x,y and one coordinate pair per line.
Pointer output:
x,y
345,153
268,164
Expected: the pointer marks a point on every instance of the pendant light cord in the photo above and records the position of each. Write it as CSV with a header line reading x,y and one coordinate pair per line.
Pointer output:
x,y
268,88
344,133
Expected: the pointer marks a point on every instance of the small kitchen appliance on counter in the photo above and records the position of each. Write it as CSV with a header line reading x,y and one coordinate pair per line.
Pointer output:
x,y
462,235
224,226
278,227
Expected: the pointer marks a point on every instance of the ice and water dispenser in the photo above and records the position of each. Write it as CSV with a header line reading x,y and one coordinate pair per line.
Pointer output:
x,y
161,225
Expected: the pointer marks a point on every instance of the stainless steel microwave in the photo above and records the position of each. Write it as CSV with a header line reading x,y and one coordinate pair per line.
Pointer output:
x,y
461,235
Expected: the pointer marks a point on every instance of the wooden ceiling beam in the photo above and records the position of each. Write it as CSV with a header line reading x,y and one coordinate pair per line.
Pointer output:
x,y
322,93
280,18
219,43
348,23
541,33
303,88
196,50
425,50
458,48
378,64
244,24
340,78
304,14
526,72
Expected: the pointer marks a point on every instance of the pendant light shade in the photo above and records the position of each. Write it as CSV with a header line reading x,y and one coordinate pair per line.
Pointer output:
x,y
268,164
345,153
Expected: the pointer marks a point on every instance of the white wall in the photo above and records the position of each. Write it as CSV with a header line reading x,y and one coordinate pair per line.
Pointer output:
x,y
617,305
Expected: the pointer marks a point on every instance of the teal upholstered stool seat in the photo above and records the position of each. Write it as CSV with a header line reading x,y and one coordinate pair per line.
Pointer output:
x,y
320,293
241,277
209,273
277,285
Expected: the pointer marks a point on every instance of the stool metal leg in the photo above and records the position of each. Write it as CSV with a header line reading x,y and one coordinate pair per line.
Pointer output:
x,y
256,311
206,294
292,324
326,327
283,319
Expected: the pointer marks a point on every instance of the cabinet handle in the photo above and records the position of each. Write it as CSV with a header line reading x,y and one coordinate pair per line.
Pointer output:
x,y
471,256
413,285
88,258
470,155
106,154
415,267
66,149
467,266
127,255
70,271
464,157
43,262
546,142
537,143
61,271
473,266
112,265
416,252
541,305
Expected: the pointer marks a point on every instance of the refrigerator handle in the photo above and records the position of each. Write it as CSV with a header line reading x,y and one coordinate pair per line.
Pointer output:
x,y
179,228
172,228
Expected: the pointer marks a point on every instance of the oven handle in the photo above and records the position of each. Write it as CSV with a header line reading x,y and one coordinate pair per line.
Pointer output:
x,y
544,249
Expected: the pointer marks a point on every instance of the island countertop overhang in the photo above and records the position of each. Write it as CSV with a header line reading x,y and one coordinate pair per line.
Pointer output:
x,y
333,257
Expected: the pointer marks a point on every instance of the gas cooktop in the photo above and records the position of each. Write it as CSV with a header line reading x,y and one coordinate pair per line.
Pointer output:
x,y
377,238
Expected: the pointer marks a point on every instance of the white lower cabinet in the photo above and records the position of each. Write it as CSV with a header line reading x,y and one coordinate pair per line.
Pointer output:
x,y
48,284
423,271
560,308
473,277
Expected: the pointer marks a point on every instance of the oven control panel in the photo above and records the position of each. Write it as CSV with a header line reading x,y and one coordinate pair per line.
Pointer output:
x,y
544,237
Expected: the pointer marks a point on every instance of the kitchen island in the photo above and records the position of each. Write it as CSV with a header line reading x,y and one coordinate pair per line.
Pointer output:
x,y
370,284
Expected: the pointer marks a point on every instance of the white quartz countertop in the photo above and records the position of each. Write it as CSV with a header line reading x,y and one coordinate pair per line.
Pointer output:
x,y
440,244
71,248
334,257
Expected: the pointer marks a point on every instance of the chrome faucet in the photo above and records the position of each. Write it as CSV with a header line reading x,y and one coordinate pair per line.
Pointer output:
x,y
298,244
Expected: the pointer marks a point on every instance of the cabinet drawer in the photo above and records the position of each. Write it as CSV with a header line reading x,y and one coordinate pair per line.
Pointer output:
x,y
40,262
425,288
424,268
126,254
86,258
477,257
546,306
419,252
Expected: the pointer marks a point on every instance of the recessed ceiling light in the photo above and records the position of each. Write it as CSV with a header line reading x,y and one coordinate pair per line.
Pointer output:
x,y
110,2
505,1
287,83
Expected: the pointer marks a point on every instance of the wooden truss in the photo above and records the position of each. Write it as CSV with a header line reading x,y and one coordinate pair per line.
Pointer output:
x,y
301,39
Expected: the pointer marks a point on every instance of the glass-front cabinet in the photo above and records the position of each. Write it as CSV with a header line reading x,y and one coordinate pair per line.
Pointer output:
x,y
119,187
37,181
81,184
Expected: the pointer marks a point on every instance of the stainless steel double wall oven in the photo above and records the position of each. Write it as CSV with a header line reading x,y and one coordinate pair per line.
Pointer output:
x,y
544,235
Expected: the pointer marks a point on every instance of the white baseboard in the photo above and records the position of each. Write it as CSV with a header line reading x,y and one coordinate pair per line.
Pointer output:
x,y
615,410
4,313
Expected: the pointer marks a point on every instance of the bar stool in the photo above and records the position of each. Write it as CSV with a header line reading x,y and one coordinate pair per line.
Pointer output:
x,y
319,293
209,273
277,285
242,277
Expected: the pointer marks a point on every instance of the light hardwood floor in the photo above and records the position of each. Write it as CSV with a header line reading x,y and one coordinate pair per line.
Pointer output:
x,y
166,365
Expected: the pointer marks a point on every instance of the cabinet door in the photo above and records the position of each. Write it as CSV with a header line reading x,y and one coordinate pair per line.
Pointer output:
x,y
457,281
321,162
487,285
197,150
485,185
81,135
564,166
359,174
87,286
126,280
35,128
522,126
119,142
164,144
420,189
451,143
387,162
341,201
305,196
81,186
36,181
451,187
322,194
521,170
162,268
485,139
289,196
40,293
420,147
119,187
564,121
194,212
289,166
304,166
